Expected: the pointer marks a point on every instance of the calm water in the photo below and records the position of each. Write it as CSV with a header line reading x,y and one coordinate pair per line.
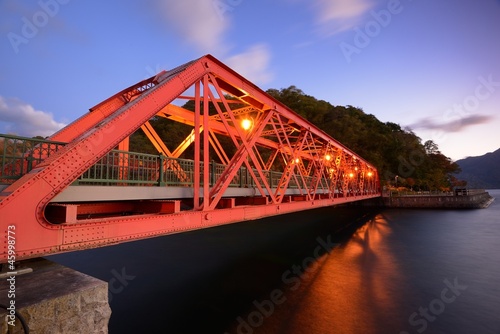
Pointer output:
x,y
334,270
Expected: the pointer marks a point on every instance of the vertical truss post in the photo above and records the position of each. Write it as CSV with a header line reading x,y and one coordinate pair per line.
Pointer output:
x,y
338,170
246,145
196,169
361,181
206,146
238,159
123,160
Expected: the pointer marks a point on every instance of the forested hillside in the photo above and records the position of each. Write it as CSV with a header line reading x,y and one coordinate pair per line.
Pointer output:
x,y
393,150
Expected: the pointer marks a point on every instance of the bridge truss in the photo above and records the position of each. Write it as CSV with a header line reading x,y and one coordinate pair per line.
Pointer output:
x,y
286,163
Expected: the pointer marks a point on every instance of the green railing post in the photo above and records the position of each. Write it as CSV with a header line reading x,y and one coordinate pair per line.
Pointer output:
x,y
161,179
242,177
213,172
29,165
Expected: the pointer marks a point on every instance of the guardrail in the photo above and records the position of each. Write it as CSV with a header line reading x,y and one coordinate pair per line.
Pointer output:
x,y
19,155
130,168
436,193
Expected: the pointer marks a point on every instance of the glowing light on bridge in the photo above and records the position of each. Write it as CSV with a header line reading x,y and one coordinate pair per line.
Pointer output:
x,y
246,124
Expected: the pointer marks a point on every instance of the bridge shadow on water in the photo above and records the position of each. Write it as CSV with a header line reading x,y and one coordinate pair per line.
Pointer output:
x,y
202,281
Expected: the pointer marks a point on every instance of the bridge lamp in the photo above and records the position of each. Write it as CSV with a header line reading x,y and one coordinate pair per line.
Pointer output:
x,y
370,174
246,124
351,175
328,157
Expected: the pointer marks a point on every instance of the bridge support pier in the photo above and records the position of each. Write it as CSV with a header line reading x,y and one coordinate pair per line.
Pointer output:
x,y
54,299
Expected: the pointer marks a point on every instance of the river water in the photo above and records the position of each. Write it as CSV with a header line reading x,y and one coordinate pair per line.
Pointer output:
x,y
332,270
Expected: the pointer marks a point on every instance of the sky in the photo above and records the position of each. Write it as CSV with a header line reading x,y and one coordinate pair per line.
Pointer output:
x,y
430,65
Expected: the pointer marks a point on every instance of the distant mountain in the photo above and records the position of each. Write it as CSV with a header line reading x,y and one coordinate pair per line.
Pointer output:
x,y
482,171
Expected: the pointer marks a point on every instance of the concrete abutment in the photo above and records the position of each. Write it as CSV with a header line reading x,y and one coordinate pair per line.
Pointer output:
x,y
54,299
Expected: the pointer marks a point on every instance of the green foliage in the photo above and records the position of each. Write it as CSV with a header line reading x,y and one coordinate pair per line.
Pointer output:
x,y
172,133
393,150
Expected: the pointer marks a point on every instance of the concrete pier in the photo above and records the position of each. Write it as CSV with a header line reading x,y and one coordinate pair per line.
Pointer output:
x,y
472,200
55,299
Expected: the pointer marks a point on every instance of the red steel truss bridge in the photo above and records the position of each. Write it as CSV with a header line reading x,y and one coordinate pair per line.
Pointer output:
x,y
83,187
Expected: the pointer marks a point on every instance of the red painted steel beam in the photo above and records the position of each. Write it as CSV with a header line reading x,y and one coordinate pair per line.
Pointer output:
x,y
23,204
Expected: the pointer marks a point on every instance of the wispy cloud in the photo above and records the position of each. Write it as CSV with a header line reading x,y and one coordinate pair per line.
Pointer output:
x,y
25,21
201,25
452,126
335,16
21,118
195,20
253,64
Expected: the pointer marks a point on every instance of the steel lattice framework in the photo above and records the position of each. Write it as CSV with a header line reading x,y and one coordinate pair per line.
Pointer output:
x,y
267,138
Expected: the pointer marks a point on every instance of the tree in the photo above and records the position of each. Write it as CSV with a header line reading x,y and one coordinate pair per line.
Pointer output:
x,y
393,150
431,147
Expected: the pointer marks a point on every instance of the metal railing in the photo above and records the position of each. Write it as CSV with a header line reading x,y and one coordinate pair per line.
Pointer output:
x,y
122,167
20,155
432,193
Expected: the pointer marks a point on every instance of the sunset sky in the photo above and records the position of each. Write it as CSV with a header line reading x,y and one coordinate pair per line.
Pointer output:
x,y
431,65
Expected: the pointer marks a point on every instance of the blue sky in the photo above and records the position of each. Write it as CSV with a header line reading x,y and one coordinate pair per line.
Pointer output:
x,y
432,65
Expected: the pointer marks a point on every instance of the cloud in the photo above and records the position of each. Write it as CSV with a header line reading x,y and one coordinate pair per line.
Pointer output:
x,y
203,24
452,126
252,64
197,21
336,16
21,118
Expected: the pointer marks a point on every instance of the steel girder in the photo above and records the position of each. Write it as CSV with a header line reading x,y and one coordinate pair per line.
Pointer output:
x,y
274,139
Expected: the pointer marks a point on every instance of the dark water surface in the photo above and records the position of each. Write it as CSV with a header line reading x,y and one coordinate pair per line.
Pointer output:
x,y
333,270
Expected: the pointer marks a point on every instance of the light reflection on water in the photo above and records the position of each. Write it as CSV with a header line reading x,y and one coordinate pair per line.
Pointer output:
x,y
392,274
353,274
394,263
